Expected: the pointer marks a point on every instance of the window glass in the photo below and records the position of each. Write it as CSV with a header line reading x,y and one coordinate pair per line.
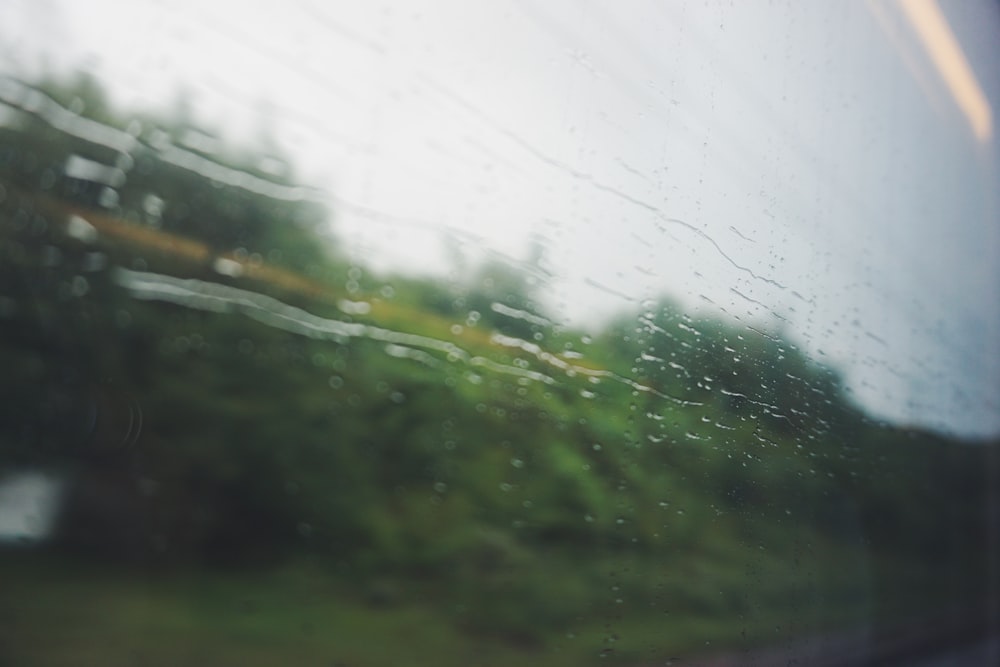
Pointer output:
x,y
503,332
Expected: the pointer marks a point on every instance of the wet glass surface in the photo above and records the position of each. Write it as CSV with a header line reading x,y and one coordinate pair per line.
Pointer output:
x,y
498,333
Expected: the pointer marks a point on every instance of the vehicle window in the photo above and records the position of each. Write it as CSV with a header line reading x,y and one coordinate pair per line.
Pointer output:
x,y
509,332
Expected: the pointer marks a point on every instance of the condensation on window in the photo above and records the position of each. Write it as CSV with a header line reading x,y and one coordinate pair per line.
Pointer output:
x,y
505,332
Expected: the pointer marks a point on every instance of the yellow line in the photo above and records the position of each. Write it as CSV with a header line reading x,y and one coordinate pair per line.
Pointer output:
x,y
945,52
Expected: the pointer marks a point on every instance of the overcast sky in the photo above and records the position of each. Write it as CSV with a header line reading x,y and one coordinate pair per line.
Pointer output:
x,y
792,164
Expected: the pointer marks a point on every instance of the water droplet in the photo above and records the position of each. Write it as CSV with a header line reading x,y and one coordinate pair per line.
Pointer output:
x,y
79,286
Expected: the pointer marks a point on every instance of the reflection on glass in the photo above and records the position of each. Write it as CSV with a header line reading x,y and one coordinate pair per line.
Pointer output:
x,y
544,334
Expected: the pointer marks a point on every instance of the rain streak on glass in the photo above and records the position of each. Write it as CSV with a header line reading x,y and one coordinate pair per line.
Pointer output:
x,y
504,332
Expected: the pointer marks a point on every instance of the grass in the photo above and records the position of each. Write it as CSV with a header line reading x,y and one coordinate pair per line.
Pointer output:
x,y
56,613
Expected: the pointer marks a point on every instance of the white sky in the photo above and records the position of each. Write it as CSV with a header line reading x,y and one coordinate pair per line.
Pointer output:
x,y
782,161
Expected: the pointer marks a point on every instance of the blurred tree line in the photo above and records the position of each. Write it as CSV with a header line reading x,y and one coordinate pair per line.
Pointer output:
x,y
512,470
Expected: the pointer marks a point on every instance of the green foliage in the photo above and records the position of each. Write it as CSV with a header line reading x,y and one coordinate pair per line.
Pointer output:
x,y
683,452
